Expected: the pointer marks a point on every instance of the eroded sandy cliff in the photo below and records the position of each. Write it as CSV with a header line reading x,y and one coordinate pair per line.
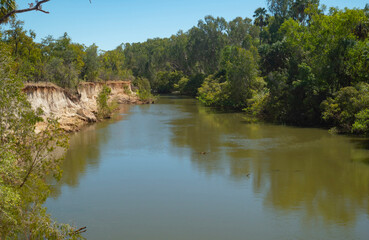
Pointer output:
x,y
73,111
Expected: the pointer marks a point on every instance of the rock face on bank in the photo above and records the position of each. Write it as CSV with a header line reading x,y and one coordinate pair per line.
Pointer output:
x,y
73,111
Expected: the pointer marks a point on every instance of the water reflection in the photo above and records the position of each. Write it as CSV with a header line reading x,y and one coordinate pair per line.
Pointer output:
x,y
177,170
293,169
84,152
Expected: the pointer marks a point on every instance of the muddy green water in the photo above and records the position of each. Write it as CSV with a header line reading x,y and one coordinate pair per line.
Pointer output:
x,y
144,176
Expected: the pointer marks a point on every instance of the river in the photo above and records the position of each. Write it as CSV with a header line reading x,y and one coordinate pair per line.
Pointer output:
x,y
178,170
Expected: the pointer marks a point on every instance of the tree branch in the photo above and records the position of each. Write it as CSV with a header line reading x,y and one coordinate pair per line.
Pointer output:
x,y
37,7
79,231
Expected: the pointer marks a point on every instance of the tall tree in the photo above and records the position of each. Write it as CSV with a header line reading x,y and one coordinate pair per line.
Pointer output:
x,y
90,70
298,7
279,8
261,19
206,42
239,29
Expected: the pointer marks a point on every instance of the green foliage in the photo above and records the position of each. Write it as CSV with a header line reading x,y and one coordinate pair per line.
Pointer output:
x,y
348,108
205,43
6,6
142,84
357,62
23,48
304,54
215,91
317,56
144,89
182,85
91,68
279,8
275,57
236,85
165,81
27,159
64,75
105,109
361,124
256,109
241,73
64,61
112,63
146,96
190,87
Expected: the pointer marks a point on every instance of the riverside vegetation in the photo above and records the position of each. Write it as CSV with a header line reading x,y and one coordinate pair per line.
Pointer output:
x,y
298,63
27,159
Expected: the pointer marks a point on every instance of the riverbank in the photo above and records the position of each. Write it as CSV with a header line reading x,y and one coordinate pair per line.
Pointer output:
x,y
75,110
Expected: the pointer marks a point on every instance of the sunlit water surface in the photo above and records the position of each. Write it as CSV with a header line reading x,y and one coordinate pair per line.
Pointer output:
x,y
177,170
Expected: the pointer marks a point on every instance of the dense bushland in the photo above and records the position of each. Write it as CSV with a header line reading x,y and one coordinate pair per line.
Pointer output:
x,y
287,65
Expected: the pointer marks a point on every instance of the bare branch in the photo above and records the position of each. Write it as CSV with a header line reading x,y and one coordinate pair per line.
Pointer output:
x,y
36,7
81,230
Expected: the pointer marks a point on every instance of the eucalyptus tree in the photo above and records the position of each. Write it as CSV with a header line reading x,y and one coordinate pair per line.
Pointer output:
x,y
239,31
205,43
90,70
298,7
280,8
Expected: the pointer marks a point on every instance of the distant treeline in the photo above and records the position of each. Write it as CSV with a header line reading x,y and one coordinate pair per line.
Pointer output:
x,y
296,63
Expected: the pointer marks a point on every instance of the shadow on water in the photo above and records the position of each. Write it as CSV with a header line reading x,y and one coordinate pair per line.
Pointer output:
x,y
361,151
292,168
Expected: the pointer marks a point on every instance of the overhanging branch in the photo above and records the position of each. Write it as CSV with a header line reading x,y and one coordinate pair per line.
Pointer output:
x,y
36,7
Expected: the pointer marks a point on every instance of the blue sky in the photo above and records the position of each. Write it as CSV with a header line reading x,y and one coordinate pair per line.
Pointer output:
x,y
108,23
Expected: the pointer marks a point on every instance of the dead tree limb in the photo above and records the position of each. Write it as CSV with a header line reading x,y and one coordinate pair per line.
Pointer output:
x,y
36,7
79,231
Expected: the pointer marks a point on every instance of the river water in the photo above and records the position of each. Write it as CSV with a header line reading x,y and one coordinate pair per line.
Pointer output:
x,y
178,170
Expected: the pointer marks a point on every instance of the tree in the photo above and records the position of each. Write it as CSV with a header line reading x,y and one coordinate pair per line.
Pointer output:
x,y
189,86
241,72
26,52
178,54
105,109
205,44
279,8
64,61
240,31
236,84
348,109
8,9
112,63
90,70
261,19
27,159
143,89
165,81
298,7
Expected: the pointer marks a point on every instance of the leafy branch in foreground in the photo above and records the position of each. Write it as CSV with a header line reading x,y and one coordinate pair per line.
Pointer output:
x,y
27,160
8,9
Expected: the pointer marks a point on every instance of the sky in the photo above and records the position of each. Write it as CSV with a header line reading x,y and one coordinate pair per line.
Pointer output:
x,y
108,23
